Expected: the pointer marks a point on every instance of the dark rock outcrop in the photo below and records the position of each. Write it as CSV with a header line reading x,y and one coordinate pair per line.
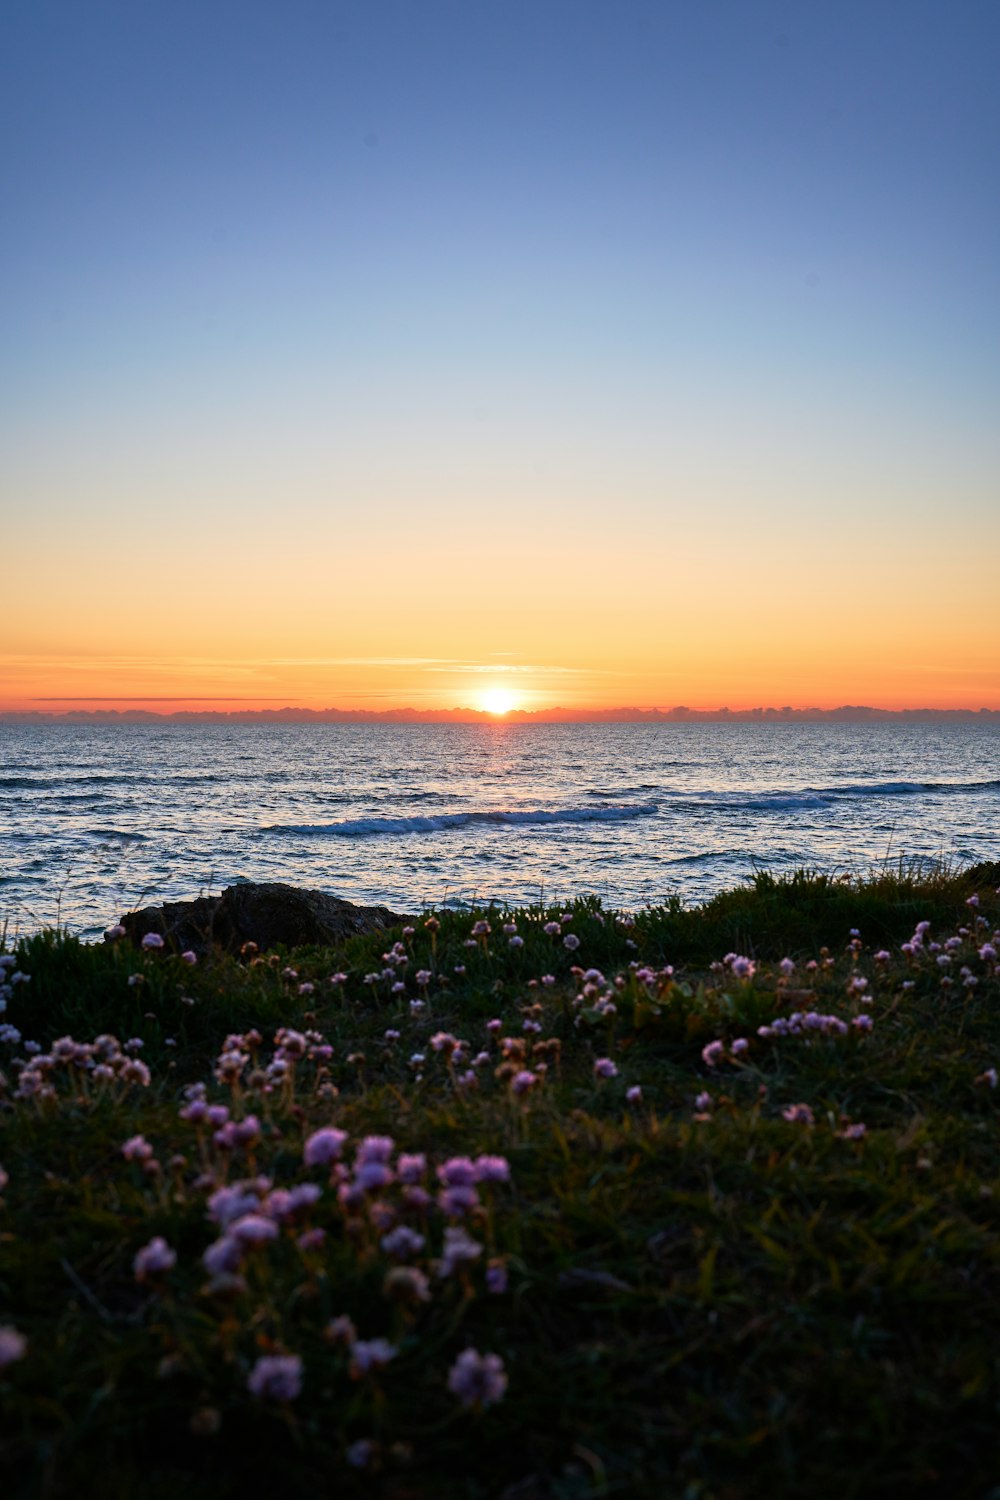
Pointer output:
x,y
265,914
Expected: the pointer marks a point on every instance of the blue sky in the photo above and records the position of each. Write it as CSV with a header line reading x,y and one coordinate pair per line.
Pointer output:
x,y
445,257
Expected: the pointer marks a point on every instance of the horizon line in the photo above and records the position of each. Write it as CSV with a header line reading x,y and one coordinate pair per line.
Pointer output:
x,y
290,713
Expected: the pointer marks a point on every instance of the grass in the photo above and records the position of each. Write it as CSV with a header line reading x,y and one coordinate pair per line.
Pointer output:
x,y
703,1299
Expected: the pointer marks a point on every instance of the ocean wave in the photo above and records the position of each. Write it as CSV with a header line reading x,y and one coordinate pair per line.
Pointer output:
x,y
781,800
499,817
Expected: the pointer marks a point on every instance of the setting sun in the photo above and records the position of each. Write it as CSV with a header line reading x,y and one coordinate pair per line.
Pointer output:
x,y
497,701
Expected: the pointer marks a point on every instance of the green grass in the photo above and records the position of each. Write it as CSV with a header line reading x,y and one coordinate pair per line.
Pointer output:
x,y
707,1303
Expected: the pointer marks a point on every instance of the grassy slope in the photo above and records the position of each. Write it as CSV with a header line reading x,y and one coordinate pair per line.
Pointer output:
x,y
717,1307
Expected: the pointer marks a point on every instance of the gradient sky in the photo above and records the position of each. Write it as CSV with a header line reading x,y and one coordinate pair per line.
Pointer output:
x,y
608,353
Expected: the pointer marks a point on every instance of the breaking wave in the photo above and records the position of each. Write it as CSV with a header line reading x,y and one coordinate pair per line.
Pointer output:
x,y
352,828
781,800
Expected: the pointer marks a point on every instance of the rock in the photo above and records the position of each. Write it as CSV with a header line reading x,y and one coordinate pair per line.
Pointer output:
x,y
265,914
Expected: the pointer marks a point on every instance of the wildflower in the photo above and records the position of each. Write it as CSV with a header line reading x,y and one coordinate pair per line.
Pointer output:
x,y
494,1026
359,1454
112,934
407,1284
376,1148
492,1169
152,941
515,941
862,1023
548,980
458,1171
154,1259
740,1045
552,929
13,1345
324,1146
703,1101
523,1082
605,1068
402,1241
370,1354
458,1200
787,967
223,1257
571,941
798,1114
477,1379
410,1169
137,1148
230,1203
459,1248
311,1239
340,1330
496,1277
369,1175
853,1132
989,1078
972,901
633,1095
423,977
276,1377
299,1199
252,1230
712,1054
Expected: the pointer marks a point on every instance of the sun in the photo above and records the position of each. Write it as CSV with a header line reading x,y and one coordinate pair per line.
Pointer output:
x,y
497,701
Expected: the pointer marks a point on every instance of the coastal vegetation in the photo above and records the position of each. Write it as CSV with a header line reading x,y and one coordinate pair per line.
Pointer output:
x,y
551,1202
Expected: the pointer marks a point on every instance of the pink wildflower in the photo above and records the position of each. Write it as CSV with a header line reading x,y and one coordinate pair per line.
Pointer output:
x,y
459,1248
13,1345
324,1146
137,1148
477,1379
276,1377
798,1114
370,1354
154,1259
252,1230
492,1169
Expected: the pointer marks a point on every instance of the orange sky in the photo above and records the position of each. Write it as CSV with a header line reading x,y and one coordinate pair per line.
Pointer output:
x,y
594,620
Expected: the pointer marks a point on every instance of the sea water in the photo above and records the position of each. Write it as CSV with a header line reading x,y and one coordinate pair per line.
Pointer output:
x,y
96,820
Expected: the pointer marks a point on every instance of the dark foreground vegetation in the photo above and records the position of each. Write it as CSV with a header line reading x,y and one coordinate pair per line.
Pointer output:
x,y
547,1203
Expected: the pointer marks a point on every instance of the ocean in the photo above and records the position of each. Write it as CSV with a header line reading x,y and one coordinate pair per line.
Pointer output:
x,y
96,820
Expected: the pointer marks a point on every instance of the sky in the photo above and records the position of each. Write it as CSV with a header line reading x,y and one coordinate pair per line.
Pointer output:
x,y
579,352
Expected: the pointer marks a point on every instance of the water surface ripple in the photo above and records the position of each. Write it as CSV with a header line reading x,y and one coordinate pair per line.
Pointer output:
x,y
97,819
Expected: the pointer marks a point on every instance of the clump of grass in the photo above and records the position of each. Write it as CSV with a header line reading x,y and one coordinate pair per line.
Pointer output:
x,y
550,1202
